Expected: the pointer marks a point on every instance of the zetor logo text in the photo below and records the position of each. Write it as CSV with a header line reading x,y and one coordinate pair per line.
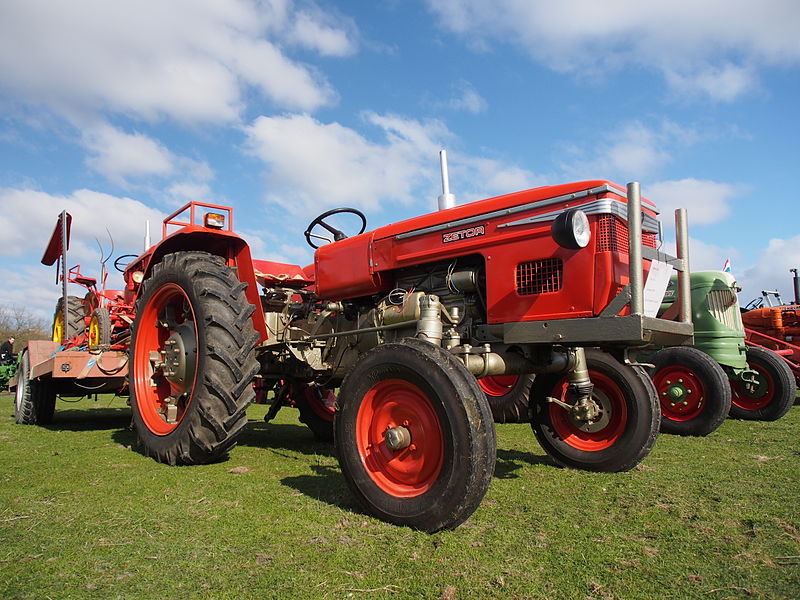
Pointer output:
x,y
463,234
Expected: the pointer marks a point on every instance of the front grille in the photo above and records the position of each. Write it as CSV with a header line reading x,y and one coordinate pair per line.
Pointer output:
x,y
723,305
612,235
540,276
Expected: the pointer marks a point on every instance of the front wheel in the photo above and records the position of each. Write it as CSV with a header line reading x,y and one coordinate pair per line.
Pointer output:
x,y
693,390
192,359
99,329
771,395
623,432
507,396
317,407
415,436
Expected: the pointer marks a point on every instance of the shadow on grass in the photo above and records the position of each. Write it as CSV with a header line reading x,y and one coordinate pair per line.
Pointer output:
x,y
94,419
326,485
509,461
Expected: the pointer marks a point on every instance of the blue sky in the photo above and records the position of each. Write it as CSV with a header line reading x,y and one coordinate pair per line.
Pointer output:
x,y
120,112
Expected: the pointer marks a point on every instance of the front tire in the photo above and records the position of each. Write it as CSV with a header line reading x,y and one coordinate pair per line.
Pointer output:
x,y
192,359
774,392
34,400
317,407
66,327
507,396
622,436
99,329
415,436
693,390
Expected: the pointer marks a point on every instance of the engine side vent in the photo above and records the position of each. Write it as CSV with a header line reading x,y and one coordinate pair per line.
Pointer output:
x,y
612,235
540,276
725,308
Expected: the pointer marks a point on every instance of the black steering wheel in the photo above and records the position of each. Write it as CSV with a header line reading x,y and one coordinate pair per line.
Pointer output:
x,y
337,235
120,264
754,303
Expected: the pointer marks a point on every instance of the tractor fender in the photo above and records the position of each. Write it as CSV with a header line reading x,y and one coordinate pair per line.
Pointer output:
x,y
233,250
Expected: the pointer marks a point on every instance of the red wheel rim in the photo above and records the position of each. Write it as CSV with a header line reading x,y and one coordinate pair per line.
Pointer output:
x,y
759,397
322,402
498,385
681,393
169,305
410,471
614,416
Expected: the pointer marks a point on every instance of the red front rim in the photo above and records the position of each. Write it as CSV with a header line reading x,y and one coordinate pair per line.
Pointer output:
x,y
757,398
163,400
410,471
498,385
614,416
681,393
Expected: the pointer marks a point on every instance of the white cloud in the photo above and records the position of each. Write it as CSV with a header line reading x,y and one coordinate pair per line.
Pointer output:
x,y
32,288
711,46
706,201
188,60
29,216
770,271
118,155
313,165
468,99
313,29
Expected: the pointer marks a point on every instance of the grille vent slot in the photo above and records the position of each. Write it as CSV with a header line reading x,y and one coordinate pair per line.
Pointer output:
x,y
540,276
612,235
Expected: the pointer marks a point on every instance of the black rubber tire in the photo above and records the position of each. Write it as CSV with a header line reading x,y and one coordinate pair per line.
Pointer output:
x,y
102,319
636,427
511,406
456,405
321,425
701,383
225,366
34,400
74,323
775,377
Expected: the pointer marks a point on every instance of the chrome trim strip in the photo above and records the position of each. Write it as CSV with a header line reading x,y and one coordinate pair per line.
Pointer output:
x,y
511,211
607,206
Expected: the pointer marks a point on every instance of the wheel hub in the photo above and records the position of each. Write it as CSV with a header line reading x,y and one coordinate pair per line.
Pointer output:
x,y
397,438
180,352
590,414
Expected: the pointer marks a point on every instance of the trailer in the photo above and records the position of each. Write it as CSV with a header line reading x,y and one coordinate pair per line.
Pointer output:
x,y
47,371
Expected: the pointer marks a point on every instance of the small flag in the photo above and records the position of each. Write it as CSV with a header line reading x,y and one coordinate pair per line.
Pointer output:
x,y
727,267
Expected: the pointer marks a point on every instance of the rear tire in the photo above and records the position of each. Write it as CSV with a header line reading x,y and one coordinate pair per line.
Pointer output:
x,y
193,312
73,325
775,391
438,480
693,390
507,396
622,437
35,400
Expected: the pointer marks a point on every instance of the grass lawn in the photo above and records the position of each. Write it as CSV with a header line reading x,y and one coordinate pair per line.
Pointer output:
x,y
82,515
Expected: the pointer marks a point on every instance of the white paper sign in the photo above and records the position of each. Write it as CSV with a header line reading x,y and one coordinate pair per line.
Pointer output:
x,y
655,286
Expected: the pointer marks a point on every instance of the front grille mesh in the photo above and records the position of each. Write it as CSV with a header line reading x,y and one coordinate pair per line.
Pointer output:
x,y
612,235
725,308
540,276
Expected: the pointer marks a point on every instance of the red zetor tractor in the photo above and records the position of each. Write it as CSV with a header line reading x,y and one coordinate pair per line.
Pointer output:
x,y
403,320
100,319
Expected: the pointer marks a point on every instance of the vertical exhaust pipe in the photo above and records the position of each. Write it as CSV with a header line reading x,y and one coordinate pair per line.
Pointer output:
x,y
446,200
796,281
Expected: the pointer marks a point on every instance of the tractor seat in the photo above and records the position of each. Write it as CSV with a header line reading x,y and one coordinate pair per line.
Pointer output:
x,y
270,273
85,281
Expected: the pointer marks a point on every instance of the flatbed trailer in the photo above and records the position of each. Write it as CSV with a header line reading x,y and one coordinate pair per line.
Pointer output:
x,y
48,370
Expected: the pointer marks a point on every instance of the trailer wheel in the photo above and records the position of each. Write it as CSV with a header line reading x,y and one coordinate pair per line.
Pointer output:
x,y
693,390
622,436
317,407
774,392
74,324
192,359
415,436
35,400
507,396
99,329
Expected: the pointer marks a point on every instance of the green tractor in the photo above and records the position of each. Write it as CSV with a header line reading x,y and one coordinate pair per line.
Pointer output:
x,y
700,385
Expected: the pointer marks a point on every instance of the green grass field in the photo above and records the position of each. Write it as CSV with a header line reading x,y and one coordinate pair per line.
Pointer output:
x,y
83,515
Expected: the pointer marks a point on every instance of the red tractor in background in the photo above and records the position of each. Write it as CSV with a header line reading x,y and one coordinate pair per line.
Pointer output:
x,y
404,320
101,319
776,328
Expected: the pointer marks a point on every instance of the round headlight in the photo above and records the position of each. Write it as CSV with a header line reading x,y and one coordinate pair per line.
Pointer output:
x,y
571,229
